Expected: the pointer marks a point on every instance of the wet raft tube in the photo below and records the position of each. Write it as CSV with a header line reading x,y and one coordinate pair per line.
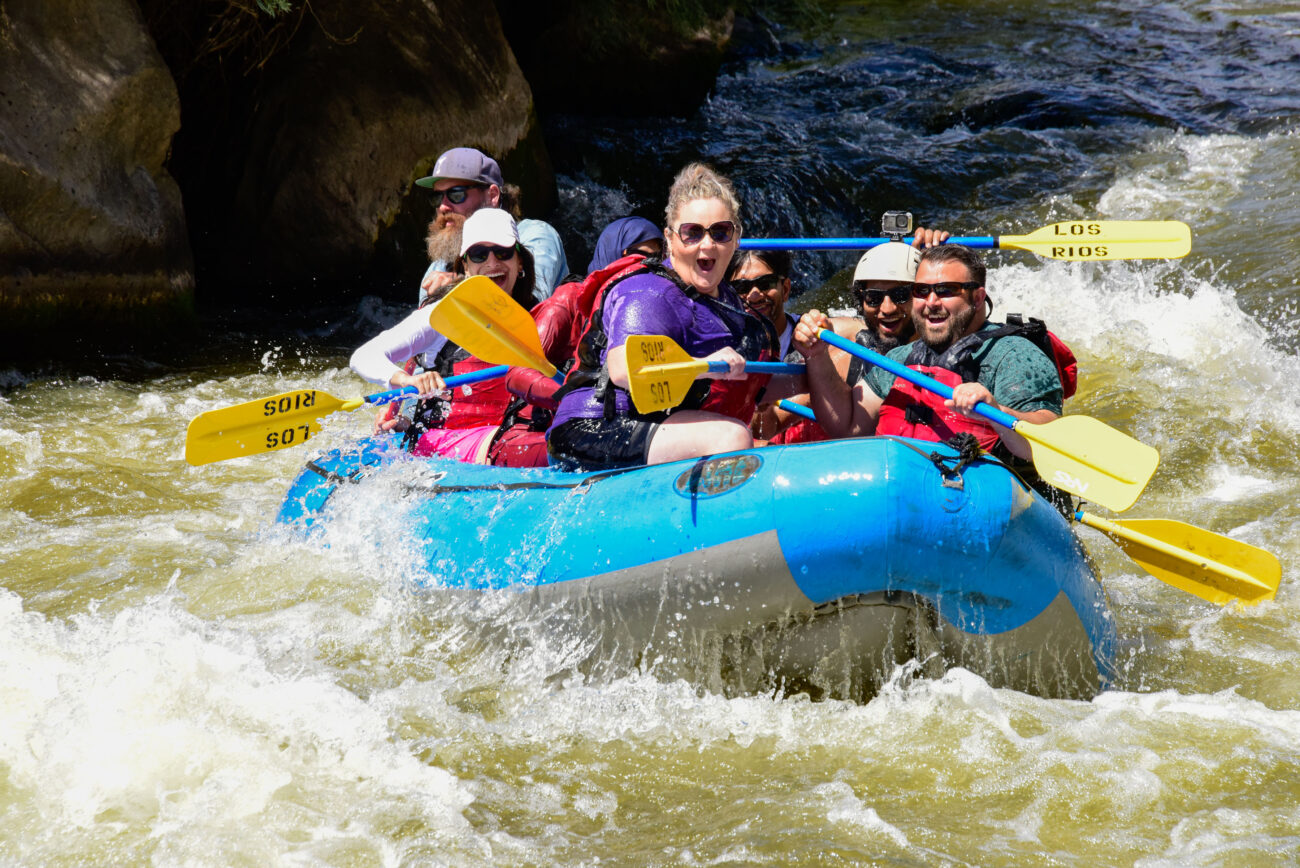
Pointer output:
x,y
864,552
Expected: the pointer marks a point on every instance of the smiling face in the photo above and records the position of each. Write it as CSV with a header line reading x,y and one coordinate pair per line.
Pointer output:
x,y
768,296
703,264
503,274
891,322
940,321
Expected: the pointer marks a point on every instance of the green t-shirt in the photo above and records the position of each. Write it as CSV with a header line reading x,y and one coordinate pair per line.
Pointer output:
x,y
1019,374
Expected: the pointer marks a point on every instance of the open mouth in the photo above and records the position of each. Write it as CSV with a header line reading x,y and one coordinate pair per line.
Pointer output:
x,y
893,325
936,316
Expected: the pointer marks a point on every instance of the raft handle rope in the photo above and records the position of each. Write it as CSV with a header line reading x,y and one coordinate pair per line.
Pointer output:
x,y
968,451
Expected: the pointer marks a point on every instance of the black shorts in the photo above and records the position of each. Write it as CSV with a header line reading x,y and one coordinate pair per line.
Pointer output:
x,y
600,444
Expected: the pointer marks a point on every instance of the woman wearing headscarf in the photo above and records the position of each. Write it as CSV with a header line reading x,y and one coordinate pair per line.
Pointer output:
x,y
562,318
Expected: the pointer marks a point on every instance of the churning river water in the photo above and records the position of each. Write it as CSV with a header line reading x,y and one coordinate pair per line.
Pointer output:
x,y
183,683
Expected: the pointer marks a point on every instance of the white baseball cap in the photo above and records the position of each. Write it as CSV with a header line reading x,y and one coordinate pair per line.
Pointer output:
x,y
489,226
891,261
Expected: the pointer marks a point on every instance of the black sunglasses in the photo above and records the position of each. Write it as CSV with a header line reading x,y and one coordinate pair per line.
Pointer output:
x,y
947,289
766,283
454,195
899,295
693,233
479,253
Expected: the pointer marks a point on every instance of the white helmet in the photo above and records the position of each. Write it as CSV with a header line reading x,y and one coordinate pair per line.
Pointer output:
x,y
892,261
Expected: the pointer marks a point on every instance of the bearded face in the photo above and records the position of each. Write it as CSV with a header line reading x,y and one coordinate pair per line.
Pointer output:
x,y
443,240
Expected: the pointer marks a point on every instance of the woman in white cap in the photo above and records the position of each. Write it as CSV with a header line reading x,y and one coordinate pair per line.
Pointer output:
x,y
478,423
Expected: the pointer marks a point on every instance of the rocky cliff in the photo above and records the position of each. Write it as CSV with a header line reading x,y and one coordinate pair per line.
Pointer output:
x,y
149,146
92,231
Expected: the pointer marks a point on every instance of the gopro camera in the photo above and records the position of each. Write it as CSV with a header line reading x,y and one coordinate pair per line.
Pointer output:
x,y
896,224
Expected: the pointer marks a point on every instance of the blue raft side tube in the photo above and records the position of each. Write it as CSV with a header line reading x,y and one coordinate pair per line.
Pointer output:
x,y
851,517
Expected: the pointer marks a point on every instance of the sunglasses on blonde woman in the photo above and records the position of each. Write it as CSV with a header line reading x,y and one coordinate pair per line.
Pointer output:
x,y
693,233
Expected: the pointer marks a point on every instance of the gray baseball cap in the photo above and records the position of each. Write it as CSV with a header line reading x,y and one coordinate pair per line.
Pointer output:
x,y
464,164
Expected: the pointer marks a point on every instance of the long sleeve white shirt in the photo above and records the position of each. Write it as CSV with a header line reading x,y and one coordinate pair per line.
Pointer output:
x,y
383,355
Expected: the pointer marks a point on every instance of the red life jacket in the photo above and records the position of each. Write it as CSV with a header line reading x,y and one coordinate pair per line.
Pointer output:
x,y
489,402
803,431
910,411
1036,332
477,404
564,316
737,398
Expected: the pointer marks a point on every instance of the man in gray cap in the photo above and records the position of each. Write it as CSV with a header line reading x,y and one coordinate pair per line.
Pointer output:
x,y
464,180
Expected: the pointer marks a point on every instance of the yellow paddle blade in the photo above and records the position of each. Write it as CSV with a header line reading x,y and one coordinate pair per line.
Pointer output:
x,y
1209,565
1093,240
487,323
264,425
659,372
1090,459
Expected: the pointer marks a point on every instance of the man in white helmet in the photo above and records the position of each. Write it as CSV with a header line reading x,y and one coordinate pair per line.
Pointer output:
x,y
882,284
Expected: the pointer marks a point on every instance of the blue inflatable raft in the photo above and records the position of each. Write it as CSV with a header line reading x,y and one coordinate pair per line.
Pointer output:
x,y
829,564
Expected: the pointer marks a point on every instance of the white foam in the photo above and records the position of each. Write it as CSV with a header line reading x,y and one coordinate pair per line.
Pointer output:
x,y
154,719
1184,177
844,807
1234,484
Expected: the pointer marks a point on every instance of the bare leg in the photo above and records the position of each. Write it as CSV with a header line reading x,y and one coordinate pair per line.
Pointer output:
x,y
692,433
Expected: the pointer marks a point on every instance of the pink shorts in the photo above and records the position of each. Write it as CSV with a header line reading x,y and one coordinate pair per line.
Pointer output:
x,y
469,445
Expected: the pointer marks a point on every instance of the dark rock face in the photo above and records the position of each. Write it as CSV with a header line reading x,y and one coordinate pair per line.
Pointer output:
x,y
91,224
301,178
629,57
293,141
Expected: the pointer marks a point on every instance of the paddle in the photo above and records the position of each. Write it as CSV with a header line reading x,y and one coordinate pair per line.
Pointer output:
x,y
1078,454
281,421
1206,564
660,372
487,323
1211,566
797,409
1074,241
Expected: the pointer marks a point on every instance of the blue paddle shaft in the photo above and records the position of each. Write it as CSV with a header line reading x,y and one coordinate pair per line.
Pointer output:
x,y
458,380
717,366
898,369
797,409
978,242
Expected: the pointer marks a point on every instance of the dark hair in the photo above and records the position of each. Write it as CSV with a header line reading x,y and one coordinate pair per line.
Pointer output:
x,y
437,294
778,261
523,291
956,253
511,201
